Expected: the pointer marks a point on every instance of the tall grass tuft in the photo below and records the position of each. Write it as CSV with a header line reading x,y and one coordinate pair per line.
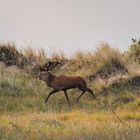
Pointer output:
x,y
108,61
58,55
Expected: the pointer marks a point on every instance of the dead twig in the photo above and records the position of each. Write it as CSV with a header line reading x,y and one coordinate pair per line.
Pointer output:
x,y
122,121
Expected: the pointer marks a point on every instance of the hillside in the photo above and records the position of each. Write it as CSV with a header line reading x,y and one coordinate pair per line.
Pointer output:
x,y
113,76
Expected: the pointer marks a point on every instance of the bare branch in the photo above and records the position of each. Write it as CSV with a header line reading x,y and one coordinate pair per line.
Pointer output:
x,y
121,120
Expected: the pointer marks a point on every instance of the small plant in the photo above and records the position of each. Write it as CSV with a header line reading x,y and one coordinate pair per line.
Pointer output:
x,y
133,53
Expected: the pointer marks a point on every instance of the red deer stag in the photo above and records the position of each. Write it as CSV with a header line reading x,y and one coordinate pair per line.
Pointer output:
x,y
62,82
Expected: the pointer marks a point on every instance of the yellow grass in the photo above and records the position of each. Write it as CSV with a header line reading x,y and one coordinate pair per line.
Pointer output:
x,y
64,125
24,118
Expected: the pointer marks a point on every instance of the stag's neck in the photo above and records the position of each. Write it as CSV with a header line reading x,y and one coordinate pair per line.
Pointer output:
x,y
50,79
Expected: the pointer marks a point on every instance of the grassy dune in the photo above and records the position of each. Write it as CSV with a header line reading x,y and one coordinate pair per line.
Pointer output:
x,y
114,79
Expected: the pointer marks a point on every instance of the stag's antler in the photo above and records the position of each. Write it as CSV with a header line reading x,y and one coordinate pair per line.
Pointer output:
x,y
49,65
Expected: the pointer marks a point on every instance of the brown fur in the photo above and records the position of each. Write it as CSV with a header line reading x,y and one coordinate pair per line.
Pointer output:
x,y
63,83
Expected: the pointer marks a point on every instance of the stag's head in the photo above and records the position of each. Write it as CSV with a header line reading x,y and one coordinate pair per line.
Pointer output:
x,y
45,70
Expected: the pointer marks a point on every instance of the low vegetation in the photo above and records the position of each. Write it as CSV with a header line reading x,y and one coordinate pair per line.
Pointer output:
x,y
114,77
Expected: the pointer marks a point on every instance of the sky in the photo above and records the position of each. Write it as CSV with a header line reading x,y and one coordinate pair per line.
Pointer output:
x,y
69,25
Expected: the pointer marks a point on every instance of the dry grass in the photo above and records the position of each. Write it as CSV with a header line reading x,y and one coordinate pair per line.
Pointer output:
x,y
36,57
70,125
23,114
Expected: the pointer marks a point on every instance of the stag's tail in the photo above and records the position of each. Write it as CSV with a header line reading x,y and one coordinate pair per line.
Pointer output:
x,y
90,91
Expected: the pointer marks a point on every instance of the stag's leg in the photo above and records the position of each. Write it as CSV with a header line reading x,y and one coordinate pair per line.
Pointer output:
x,y
66,95
80,96
90,91
52,92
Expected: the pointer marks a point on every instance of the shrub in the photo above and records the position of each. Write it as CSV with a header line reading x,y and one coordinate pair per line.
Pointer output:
x,y
134,51
108,61
8,54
